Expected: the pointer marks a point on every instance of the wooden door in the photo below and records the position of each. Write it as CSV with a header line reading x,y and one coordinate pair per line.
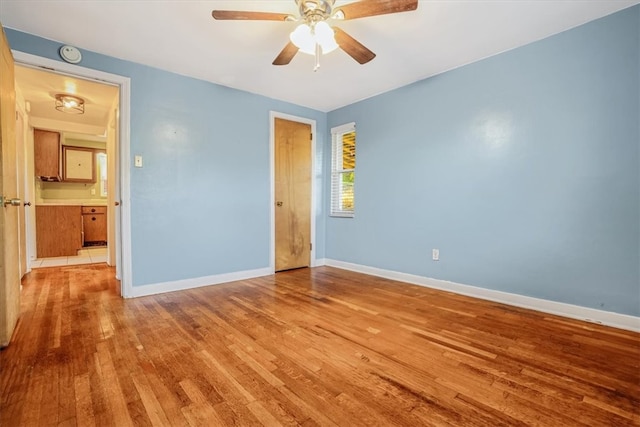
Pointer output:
x,y
9,224
292,194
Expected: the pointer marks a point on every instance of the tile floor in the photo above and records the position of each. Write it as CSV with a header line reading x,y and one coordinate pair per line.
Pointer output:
x,y
85,256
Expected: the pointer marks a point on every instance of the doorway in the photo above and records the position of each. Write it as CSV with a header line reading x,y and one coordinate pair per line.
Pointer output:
x,y
293,191
68,186
118,192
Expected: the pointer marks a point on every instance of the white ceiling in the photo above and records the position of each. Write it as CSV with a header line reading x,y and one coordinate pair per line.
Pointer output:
x,y
181,36
40,87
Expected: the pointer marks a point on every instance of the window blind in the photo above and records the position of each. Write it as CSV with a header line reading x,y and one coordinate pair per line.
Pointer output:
x,y
343,164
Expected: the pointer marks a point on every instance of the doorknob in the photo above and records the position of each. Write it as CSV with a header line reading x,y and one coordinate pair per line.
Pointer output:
x,y
278,203
12,202
117,203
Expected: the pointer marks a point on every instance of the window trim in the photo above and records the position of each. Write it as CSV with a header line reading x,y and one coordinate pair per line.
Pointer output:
x,y
335,132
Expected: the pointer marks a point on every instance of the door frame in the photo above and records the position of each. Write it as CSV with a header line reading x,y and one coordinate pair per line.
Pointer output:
x,y
23,193
273,115
123,236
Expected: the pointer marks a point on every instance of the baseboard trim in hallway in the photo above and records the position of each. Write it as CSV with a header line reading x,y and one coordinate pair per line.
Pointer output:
x,y
591,315
197,282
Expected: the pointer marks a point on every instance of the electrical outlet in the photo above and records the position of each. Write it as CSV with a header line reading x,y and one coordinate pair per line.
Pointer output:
x,y
137,161
435,254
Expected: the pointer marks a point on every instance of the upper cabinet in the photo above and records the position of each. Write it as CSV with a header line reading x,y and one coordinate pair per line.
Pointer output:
x,y
55,161
47,155
79,164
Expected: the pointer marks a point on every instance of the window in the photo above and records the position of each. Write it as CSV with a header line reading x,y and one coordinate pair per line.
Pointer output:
x,y
343,165
102,171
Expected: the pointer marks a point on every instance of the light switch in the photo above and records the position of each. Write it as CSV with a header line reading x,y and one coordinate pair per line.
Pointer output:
x,y
137,161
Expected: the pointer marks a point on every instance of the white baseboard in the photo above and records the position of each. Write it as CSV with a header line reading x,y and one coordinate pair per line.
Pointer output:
x,y
197,282
592,315
319,262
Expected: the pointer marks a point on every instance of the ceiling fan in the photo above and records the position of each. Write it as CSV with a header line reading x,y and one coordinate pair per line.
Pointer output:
x,y
314,35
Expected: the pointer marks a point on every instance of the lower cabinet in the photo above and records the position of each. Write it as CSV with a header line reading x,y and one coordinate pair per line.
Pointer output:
x,y
58,231
94,223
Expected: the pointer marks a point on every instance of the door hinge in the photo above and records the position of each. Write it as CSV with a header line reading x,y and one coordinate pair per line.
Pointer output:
x,y
311,136
310,246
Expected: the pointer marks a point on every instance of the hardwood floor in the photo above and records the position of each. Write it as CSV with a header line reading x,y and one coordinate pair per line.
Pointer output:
x,y
306,347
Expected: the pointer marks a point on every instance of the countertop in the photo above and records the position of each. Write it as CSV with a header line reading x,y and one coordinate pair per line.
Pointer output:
x,y
71,202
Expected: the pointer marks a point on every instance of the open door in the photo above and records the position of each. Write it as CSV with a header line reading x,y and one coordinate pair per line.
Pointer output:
x,y
9,209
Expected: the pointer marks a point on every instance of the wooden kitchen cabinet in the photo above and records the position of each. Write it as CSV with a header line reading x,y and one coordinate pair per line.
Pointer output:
x,y
58,231
78,164
46,153
94,223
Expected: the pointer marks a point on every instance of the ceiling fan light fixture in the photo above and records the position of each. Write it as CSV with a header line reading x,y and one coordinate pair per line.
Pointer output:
x,y
303,39
314,36
311,5
306,39
69,104
325,37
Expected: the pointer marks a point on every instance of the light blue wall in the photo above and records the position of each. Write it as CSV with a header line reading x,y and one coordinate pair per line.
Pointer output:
x,y
522,169
200,205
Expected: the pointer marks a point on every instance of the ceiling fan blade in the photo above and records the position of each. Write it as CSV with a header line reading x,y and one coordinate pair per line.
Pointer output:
x,y
248,15
353,47
366,8
286,55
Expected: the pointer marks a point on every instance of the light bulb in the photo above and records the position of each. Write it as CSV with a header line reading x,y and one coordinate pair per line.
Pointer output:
x,y
69,104
306,40
302,38
325,37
